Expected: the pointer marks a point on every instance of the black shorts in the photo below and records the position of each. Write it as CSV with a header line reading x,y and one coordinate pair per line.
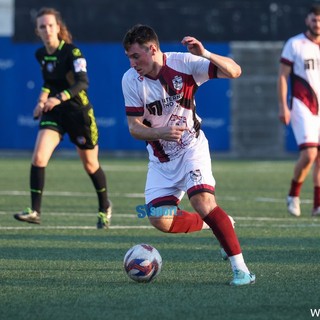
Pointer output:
x,y
77,121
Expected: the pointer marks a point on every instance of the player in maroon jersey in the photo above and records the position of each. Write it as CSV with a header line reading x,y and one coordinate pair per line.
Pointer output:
x,y
159,91
300,62
63,107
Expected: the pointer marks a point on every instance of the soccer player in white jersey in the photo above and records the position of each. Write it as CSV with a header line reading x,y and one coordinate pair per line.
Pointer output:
x,y
159,91
300,63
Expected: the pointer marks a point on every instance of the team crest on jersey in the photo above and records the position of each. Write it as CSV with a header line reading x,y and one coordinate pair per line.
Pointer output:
x,y
50,67
177,82
196,175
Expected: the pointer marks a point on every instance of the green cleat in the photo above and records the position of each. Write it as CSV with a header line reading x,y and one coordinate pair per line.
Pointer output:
x,y
104,219
29,216
241,278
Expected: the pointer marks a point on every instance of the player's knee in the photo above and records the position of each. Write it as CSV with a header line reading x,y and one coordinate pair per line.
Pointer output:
x,y
39,161
91,167
203,203
309,155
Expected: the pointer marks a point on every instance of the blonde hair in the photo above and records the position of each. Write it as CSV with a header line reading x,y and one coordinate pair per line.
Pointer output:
x,y
64,33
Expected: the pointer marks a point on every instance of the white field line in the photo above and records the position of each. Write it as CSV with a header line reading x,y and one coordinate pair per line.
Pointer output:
x,y
73,227
71,194
241,222
132,195
120,215
118,227
303,222
80,214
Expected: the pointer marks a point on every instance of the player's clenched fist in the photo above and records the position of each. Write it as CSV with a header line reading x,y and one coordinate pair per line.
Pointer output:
x,y
173,133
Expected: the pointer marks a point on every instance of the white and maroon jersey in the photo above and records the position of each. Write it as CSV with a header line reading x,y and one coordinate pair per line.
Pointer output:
x,y
168,100
303,55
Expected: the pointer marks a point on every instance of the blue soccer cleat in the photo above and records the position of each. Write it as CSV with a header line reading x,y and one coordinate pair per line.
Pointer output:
x,y
241,278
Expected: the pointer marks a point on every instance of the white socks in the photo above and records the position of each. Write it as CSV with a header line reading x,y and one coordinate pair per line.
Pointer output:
x,y
237,263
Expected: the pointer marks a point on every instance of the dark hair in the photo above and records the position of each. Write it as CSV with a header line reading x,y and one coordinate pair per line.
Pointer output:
x,y
315,9
64,33
140,34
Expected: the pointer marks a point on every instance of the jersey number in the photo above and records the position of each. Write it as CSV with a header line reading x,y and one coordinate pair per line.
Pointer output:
x,y
155,108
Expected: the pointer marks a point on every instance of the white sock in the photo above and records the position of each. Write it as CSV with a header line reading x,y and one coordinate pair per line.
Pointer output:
x,y
237,263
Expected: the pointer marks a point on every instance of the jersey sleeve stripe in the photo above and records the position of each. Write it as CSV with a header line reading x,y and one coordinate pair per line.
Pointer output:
x,y
213,71
286,61
135,111
66,92
43,89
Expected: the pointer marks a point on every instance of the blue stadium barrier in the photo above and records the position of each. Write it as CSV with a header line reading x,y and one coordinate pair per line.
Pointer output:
x,y
20,82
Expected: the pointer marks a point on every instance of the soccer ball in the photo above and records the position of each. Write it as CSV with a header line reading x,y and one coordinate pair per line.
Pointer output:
x,y
142,262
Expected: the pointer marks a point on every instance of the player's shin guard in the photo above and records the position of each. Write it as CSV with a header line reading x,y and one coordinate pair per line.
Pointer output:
x,y
295,188
100,183
37,175
222,228
316,197
186,222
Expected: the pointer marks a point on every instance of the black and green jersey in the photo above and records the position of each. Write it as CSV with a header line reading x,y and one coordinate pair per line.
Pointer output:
x,y
65,71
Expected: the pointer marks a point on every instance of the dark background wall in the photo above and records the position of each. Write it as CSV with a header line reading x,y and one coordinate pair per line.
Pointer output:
x,y
210,20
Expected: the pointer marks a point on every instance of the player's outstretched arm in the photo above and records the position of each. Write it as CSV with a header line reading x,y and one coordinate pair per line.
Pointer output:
x,y
227,67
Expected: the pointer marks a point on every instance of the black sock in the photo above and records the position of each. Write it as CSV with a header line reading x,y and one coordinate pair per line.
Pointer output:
x,y
100,183
37,175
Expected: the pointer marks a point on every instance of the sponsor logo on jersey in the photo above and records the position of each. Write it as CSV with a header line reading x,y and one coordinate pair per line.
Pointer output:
x,y
170,103
76,52
165,105
176,120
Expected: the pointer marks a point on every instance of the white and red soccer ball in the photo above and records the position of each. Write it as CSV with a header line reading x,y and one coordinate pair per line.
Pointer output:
x,y
142,262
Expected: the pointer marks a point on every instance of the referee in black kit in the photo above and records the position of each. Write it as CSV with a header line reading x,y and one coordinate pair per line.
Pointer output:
x,y
63,107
